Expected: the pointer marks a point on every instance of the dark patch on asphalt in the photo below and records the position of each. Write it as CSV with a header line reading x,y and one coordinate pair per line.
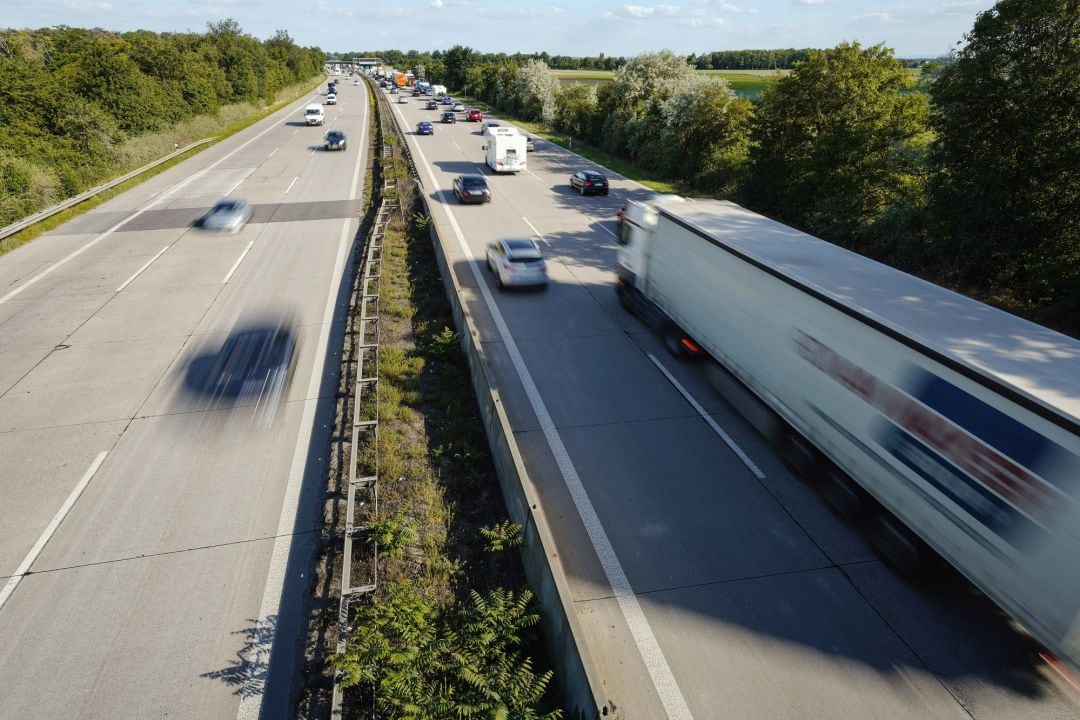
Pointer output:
x,y
172,218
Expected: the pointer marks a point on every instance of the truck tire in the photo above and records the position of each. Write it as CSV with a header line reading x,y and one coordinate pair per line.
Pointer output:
x,y
898,545
626,300
674,339
799,456
844,496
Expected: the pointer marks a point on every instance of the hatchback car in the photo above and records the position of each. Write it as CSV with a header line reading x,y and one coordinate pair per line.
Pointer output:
x,y
402,99
432,105
425,128
516,261
458,107
475,115
335,140
449,117
446,101
472,189
530,143
228,215
589,183
331,99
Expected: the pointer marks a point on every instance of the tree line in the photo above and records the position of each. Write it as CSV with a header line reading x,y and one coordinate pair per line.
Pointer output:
x,y
70,97
974,184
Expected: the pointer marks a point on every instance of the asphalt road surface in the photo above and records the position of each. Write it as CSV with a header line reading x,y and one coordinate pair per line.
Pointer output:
x,y
710,582
155,530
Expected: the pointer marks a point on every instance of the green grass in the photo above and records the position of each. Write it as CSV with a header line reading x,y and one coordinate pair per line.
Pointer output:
x,y
195,129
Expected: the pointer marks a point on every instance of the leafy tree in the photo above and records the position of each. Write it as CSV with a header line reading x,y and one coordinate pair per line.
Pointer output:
x,y
536,88
837,144
707,136
1007,155
457,61
575,109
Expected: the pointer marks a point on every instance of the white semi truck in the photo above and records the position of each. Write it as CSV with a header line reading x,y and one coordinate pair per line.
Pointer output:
x,y
933,420
506,150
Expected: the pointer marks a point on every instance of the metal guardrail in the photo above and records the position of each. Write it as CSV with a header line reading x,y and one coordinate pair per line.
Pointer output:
x,y
367,339
83,196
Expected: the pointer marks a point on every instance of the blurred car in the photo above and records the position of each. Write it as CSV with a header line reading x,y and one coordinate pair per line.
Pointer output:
x,y
393,90
458,107
425,128
432,105
255,363
335,140
489,125
589,183
449,117
474,116
382,83
530,143
228,215
446,101
517,261
472,189
331,99
402,99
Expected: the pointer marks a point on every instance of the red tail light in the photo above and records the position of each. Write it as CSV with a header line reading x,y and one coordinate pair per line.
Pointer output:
x,y
690,345
588,183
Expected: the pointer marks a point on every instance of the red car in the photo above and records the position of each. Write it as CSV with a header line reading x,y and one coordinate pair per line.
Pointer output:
x,y
475,116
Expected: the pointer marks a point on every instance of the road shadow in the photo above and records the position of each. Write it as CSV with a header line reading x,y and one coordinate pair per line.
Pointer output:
x,y
250,671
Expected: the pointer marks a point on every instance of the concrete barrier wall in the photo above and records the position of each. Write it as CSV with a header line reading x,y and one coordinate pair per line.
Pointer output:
x,y
575,673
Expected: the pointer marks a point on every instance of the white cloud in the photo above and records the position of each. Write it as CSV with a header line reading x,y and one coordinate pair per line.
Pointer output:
x,y
809,3
881,17
437,3
88,5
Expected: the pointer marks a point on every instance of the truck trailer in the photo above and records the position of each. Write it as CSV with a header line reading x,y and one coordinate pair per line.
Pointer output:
x,y
935,422
505,150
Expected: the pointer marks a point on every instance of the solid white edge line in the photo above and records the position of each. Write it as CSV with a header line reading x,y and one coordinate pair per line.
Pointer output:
x,y
140,270
291,184
236,264
732,445
652,655
257,661
165,194
46,535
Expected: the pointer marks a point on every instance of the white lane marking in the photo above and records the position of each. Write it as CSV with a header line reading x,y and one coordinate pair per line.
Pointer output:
x,y
140,270
238,184
291,184
651,654
28,561
743,457
456,145
258,658
167,193
272,152
535,231
236,264
609,232
295,131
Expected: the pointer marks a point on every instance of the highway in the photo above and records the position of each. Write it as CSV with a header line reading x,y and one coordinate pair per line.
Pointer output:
x,y
154,535
709,581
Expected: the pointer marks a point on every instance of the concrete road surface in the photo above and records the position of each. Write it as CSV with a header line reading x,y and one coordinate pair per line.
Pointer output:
x,y
711,583
155,528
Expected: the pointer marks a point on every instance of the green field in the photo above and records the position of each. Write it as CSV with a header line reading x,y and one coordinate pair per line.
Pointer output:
x,y
745,83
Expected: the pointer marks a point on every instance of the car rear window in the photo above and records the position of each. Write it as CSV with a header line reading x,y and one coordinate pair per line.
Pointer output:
x,y
595,177
519,244
474,183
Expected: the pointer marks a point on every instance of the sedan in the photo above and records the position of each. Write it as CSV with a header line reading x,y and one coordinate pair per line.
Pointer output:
x,y
402,99
589,183
335,140
432,105
446,101
530,143
227,215
475,115
471,188
458,107
516,261
425,128
449,117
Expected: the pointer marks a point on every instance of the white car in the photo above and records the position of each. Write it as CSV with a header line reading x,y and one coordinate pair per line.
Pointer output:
x,y
228,215
458,107
402,99
516,261
331,99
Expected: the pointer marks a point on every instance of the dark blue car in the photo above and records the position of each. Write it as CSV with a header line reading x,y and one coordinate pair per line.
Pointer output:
x,y
425,128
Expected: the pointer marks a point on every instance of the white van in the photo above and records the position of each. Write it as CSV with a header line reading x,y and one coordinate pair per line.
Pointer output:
x,y
505,149
314,114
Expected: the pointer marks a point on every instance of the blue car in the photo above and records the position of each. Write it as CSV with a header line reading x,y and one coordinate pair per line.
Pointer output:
x,y
425,128
446,100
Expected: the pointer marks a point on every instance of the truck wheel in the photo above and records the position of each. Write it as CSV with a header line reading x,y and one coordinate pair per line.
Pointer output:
x,y
898,545
799,456
626,300
675,341
844,496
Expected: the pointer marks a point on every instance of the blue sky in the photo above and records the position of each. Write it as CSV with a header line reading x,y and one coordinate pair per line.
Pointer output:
x,y
914,28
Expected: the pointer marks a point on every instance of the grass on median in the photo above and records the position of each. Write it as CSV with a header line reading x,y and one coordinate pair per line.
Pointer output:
x,y
144,149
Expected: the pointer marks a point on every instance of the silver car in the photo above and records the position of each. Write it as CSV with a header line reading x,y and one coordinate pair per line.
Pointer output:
x,y
228,215
458,107
516,261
